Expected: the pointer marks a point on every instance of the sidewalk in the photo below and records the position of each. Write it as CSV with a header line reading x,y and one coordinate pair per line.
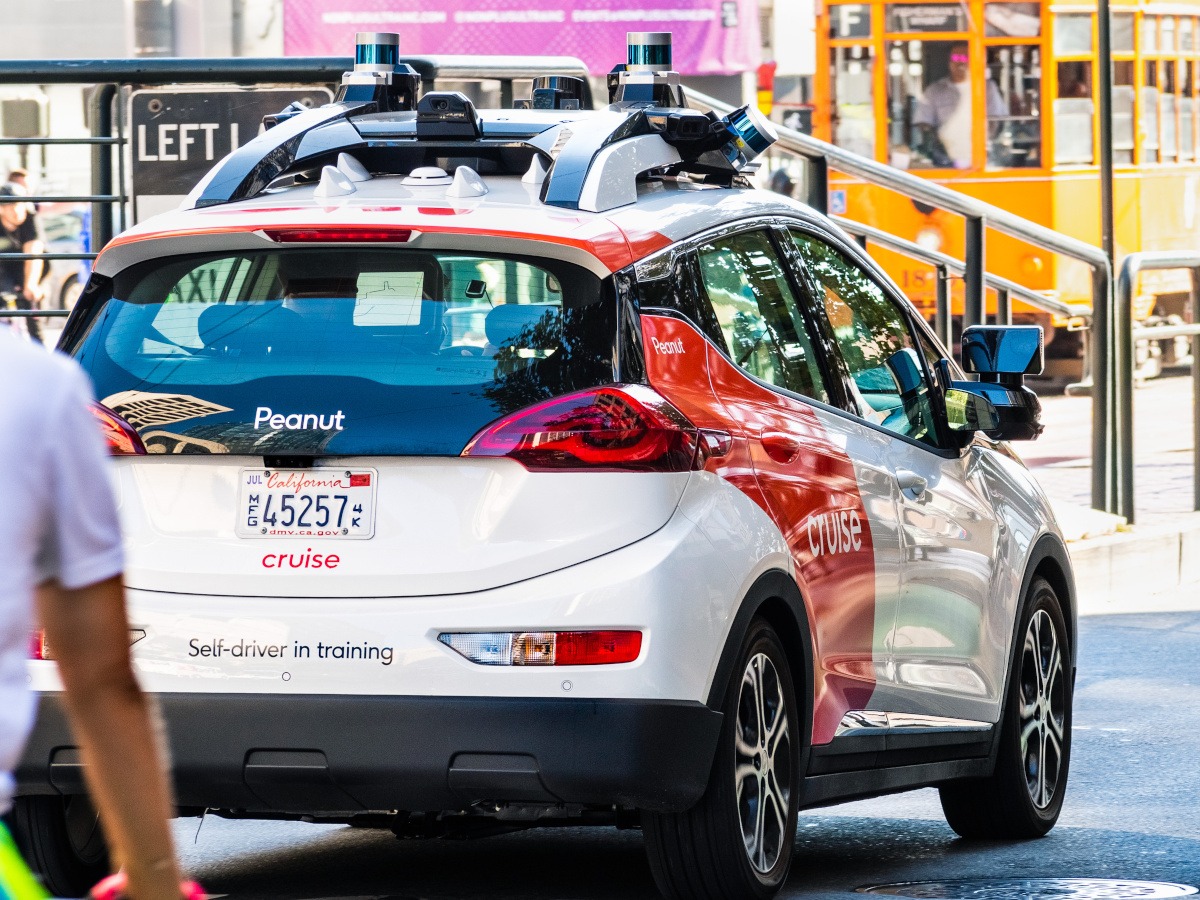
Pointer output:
x,y
1119,567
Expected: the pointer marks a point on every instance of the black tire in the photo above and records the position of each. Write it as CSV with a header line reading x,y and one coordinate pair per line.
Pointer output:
x,y
1024,795
68,293
701,854
61,840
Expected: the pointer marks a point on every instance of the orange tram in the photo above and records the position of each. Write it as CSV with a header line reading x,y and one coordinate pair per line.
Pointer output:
x,y
998,100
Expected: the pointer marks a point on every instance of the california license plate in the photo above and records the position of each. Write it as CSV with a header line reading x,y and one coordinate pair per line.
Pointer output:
x,y
307,503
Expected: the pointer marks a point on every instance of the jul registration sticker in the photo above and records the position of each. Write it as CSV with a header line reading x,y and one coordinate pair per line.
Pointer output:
x,y
307,503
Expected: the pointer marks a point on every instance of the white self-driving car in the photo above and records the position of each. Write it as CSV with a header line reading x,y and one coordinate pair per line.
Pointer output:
x,y
512,468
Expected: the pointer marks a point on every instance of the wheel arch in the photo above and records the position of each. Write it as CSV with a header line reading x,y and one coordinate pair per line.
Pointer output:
x,y
775,597
1050,560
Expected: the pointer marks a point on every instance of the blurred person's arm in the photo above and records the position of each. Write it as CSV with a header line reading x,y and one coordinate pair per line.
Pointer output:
x,y
33,270
81,602
116,729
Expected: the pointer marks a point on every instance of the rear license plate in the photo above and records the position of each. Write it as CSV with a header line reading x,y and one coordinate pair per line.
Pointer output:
x,y
307,503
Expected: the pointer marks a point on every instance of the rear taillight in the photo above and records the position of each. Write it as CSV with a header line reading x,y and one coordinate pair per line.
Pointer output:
x,y
546,648
619,427
122,439
38,648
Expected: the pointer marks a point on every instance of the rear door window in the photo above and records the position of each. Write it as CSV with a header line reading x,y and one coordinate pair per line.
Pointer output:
x,y
758,313
418,350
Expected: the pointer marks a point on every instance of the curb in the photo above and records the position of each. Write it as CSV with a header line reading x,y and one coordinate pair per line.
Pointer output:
x,y
1114,572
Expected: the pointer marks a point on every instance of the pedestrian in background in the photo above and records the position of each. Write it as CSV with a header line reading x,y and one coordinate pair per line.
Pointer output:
x,y
60,541
20,278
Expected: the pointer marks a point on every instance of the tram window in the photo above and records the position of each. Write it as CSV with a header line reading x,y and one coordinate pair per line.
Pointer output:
x,y
1022,20
1122,108
1073,111
1015,139
919,17
1187,107
1072,34
1149,34
1187,35
929,104
1149,124
853,106
1169,149
1122,33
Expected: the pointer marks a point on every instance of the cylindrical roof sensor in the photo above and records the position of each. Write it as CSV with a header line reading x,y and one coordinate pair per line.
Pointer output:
x,y
649,50
376,51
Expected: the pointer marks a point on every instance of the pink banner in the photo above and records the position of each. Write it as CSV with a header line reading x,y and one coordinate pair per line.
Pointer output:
x,y
711,37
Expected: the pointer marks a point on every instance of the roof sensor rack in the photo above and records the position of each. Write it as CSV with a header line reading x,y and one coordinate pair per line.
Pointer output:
x,y
592,161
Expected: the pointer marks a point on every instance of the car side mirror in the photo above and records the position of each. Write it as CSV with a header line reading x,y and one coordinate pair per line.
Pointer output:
x,y
998,404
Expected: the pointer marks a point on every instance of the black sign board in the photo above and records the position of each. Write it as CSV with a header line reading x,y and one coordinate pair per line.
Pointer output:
x,y
927,17
177,135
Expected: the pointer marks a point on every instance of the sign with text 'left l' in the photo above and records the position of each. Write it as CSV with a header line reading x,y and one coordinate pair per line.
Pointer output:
x,y
178,134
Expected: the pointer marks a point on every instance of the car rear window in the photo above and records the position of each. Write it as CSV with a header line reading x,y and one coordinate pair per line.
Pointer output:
x,y
328,352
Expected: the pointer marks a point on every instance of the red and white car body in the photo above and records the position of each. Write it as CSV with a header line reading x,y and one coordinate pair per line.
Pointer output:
x,y
378,672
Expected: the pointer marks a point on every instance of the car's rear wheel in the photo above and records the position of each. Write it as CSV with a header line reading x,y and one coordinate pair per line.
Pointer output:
x,y
737,841
1024,795
61,840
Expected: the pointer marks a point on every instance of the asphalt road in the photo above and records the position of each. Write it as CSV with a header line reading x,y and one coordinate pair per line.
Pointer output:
x,y
1132,812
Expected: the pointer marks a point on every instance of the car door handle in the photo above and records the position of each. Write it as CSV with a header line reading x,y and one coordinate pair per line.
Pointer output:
x,y
911,483
782,448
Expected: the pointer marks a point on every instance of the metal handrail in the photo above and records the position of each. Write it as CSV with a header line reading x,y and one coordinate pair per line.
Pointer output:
x,y
938,259
921,189
265,70
1133,264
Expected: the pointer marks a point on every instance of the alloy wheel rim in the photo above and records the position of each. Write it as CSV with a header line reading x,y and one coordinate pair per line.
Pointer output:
x,y
1043,706
763,763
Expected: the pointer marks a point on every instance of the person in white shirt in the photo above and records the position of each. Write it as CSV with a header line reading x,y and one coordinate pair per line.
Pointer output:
x,y
945,107
60,542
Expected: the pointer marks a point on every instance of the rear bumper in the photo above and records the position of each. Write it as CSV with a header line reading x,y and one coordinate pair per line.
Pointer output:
x,y
326,754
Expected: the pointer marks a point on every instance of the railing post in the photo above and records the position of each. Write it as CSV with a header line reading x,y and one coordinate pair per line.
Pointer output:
x,y
1003,307
941,322
974,286
100,103
1122,390
1196,391
1101,346
818,184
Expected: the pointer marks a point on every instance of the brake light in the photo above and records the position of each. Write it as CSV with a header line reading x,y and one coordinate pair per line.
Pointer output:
x,y
365,235
122,438
38,648
619,427
546,648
